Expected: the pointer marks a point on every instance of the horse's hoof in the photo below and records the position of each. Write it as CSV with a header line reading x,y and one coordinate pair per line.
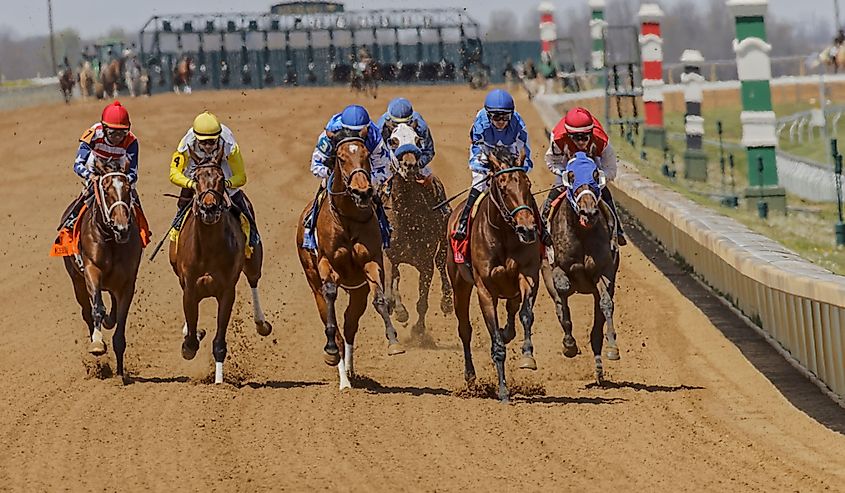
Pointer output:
x,y
612,354
509,333
394,349
109,322
528,363
331,359
600,377
189,352
570,347
401,314
470,379
97,348
263,328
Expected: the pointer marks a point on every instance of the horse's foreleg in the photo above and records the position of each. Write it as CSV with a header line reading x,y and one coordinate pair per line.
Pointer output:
x,y
328,278
224,313
111,319
561,289
462,291
511,307
426,274
375,277
351,317
446,305
597,336
93,278
191,343
528,291
393,294
122,302
497,343
606,287
81,292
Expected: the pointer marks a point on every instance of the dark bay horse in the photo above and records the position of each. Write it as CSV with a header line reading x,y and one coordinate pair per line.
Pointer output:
x,y
209,257
66,83
585,258
183,71
364,77
111,76
505,252
110,250
349,252
418,229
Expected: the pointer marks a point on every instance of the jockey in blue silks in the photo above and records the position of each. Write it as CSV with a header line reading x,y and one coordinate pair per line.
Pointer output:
x,y
353,117
400,110
496,124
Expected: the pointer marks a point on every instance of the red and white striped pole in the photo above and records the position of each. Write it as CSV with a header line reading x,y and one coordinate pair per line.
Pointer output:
x,y
548,29
651,48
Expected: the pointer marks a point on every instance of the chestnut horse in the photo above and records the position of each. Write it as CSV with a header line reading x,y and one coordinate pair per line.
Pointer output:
x,y
183,71
86,80
111,76
110,250
349,252
208,258
418,229
505,255
66,83
585,258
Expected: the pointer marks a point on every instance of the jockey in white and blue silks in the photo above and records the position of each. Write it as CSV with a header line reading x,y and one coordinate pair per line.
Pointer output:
x,y
497,124
353,117
400,110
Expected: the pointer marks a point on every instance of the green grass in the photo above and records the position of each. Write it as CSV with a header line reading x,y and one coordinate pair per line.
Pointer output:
x,y
807,229
16,83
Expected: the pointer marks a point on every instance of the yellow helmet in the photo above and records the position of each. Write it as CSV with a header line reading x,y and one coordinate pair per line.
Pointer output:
x,y
206,126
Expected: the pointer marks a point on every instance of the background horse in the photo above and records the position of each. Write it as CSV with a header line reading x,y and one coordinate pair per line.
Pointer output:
x,y
66,83
365,78
418,229
836,62
182,73
110,253
86,80
504,251
349,253
208,258
585,257
132,77
111,76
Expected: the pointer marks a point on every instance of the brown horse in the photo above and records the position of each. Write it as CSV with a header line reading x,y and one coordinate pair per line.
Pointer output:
x,y
86,80
365,77
111,76
66,83
585,257
183,71
505,256
349,252
208,258
418,239
109,256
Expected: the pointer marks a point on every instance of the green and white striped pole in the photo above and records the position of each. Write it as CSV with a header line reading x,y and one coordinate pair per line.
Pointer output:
x,y
597,25
695,160
758,119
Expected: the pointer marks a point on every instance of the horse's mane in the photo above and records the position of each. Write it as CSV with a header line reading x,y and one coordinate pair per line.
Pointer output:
x,y
343,134
503,155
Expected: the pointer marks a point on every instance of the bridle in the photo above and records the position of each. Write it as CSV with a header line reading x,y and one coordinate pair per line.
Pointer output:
x,y
499,201
100,197
221,199
347,179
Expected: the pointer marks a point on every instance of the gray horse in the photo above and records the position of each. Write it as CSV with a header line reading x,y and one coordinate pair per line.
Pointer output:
x,y
418,238
584,258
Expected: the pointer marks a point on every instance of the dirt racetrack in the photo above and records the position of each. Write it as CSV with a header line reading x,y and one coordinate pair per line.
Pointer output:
x,y
688,410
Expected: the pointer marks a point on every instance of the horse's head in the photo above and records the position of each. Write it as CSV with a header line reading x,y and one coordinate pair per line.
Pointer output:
x,y
583,181
114,196
405,144
511,192
211,199
352,164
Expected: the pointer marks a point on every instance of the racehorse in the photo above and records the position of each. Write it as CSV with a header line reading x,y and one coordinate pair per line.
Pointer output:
x,y
86,80
132,77
209,256
66,83
585,257
349,252
109,255
504,252
417,239
365,77
111,76
837,61
182,73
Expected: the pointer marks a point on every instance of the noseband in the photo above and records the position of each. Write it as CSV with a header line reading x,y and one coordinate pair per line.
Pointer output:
x,y
498,200
573,200
347,179
100,193
221,201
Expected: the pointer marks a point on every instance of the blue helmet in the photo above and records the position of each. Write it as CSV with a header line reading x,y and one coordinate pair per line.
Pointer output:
x,y
400,110
354,117
498,101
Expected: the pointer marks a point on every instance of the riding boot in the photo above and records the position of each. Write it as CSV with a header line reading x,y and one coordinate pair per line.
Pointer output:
x,y
309,238
241,202
554,193
460,232
72,212
186,197
620,235
383,222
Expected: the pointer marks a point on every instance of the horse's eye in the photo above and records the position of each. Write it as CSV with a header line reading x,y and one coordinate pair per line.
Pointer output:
x,y
394,142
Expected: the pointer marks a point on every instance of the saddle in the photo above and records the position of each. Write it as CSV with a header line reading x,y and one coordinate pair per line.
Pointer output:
x,y
67,241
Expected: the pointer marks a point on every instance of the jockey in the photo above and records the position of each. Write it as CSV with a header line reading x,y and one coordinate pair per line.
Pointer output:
x,y
355,118
578,131
399,111
495,124
108,139
203,141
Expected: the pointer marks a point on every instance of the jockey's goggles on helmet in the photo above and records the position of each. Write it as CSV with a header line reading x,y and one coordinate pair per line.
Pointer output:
x,y
500,116
580,137
208,143
115,135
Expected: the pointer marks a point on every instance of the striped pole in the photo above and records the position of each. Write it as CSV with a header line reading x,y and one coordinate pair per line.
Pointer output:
x,y
548,29
758,119
695,160
597,25
651,47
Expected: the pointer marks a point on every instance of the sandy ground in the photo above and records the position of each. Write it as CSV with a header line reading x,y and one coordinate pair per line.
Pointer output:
x,y
688,411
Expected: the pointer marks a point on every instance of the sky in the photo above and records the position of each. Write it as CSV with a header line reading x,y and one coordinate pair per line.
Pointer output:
x,y
95,17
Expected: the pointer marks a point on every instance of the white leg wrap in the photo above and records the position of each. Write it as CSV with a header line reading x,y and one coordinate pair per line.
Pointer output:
x,y
348,358
218,372
256,306
185,330
344,379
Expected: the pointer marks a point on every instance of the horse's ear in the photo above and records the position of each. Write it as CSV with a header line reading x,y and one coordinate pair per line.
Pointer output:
x,y
364,131
330,134
493,160
415,125
567,179
99,167
601,178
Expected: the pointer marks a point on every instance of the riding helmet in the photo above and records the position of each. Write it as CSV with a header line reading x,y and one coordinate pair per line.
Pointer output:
x,y
206,126
498,101
578,121
354,117
115,116
400,110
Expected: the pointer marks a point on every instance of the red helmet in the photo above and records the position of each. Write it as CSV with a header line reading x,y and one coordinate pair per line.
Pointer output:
x,y
578,121
115,116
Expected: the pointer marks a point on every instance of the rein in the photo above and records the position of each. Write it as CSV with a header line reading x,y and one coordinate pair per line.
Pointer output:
x,y
346,178
498,200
